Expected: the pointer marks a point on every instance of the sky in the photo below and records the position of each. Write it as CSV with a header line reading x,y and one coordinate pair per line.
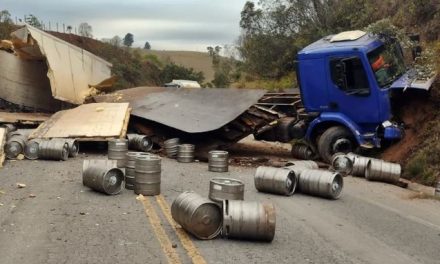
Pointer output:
x,y
165,24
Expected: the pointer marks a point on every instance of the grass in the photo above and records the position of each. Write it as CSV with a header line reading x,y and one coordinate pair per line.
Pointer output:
x,y
284,83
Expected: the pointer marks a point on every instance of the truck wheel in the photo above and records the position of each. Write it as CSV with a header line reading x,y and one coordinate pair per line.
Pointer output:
x,y
333,140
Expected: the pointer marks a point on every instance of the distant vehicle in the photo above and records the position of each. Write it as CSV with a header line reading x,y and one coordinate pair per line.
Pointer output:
x,y
183,84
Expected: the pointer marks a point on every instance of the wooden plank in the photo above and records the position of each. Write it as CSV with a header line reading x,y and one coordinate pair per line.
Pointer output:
x,y
87,122
23,118
2,145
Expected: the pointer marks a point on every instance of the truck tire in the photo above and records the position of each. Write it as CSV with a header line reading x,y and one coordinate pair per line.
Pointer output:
x,y
335,139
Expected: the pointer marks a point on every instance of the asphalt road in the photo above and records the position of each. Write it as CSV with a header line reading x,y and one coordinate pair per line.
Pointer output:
x,y
68,223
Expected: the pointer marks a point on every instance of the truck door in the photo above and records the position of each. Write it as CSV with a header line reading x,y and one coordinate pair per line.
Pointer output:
x,y
350,91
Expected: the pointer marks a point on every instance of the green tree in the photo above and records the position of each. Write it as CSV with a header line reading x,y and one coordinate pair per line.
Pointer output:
x,y
173,71
128,40
85,30
147,45
5,17
34,21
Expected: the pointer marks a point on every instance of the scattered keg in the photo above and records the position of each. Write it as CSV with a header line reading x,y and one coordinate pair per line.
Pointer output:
x,y
117,149
147,175
73,145
103,179
275,180
185,153
302,151
9,127
14,146
53,150
321,183
139,142
379,170
307,164
342,163
197,215
225,189
437,190
359,164
249,220
31,149
130,168
218,161
171,147
109,164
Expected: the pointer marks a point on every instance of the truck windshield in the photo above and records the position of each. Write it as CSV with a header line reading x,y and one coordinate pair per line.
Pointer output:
x,y
387,64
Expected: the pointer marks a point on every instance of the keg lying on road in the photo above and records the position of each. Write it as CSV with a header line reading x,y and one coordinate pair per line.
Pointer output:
x,y
130,168
302,151
359,164
109,164
197,215
306,164
248,220
53,150
218,161
117,149
321,183
171,147
185,153
139,142
147,175
275,180
379,170
103,179
342,163
225,189
31,149
15,145
73,145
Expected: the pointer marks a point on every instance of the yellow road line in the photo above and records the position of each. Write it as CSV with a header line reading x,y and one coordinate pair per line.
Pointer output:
x,y
165,243
191,249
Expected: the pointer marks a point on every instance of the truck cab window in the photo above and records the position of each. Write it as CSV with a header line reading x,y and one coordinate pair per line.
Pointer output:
x,y
349,75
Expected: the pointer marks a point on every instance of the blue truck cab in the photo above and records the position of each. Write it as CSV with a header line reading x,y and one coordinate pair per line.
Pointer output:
x,y
345,83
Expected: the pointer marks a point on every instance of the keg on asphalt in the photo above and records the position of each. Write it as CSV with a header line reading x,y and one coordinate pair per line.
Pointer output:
x,y
275,180
437,190
53,150
307,164
197,215
14,146
379,170
359,164
73,145
248,220
103,179
109,164
147,175
139,142
185,153
302,151
225,189
171,147
342,163
130,168
31,149
321,183
117,149
218,161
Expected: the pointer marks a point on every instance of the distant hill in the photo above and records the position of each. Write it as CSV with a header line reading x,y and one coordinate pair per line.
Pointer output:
x,y
199,61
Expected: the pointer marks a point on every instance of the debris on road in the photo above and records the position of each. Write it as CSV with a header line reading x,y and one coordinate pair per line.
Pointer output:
x,y
359,164
139,142
86,124
321,183
302,151
249,220
103,179
117,149
109,164
197,215
225,189
218,161
31,195
379,170
342,164
21,185
171,147
275,180
130,172
307,164
53,150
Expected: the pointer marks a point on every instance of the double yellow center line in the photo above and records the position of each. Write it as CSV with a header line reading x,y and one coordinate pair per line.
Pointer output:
x,y
161,235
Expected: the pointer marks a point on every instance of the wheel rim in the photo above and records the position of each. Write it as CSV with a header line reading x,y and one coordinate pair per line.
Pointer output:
x,y
343,145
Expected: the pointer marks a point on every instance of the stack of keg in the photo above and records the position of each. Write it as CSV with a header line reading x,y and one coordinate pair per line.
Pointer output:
x,y
147,175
